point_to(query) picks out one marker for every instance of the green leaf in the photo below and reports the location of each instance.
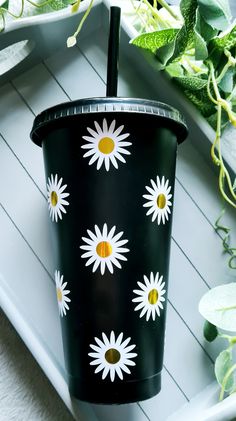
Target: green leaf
(202, 34)
(185, 36)
(175, 70)
(226, 40)
(215, 12)
(154, 40)
(164, 53)
(227, 82)
(201, 100)
(193, 83)
(60, 4)
(199, 42)
(200, 46)
(4, 3)
(210, 331)
(223, 364)
(218, 306)
(206, 31)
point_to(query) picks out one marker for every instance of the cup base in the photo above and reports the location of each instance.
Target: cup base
(115, 393)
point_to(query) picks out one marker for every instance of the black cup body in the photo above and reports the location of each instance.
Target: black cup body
(110, 172)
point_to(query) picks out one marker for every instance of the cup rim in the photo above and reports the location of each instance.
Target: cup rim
(107, 105)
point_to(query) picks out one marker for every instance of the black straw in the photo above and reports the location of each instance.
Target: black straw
(113, 51)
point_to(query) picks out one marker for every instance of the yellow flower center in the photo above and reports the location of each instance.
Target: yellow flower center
(54, 198)
(112, 356)
(153, 296)
(104, 249)
(106, 145)
(161, 201)
(59, 294)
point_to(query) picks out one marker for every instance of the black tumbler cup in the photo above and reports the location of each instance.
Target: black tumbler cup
(110, 171)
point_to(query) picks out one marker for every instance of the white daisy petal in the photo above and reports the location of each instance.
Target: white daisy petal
(112, 373)
(89, 153)
(125, 144)
(119, 256)
(114, 162)
(123, 136)
(99, 368)
(112, 356)
(103, 249)
(112, 126)
(95, 266)
(126, 342)
(105, 145)
(88, 138)
(100, 162)
(98, 128)
(150, 296)
(119, 372)
(116, 263)
(112, 339)
(119, 339)
(109, 266)
(126, 369)
(118, 131)
(129, 362)
(93, 159)
(123, 151)
(120, 157)
(99, 342)
(92, 132)
(94, 347)
(150, 190)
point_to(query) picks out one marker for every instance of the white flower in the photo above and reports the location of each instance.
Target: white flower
(62, 293)
(150, 296)
(56, 197)
(104, 248)
(112, 356)
(106, 145)
(158, 200)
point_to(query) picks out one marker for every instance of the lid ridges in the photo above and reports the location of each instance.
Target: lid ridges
(106, 105)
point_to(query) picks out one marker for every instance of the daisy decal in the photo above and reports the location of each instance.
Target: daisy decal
(150, 296)
(112, 356)
(106, 144)
(158, 200)
(104, 248)
(56, 197)
(62, 294)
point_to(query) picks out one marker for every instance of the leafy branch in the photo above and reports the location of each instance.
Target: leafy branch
(196, 47)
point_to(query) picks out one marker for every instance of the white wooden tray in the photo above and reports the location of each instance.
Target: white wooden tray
(27, 293)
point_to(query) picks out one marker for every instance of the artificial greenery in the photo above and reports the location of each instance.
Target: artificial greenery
(195, 44)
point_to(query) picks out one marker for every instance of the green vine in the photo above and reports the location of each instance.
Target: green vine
(231, 251)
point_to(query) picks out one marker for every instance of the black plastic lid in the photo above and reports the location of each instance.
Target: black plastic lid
(106, 105)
